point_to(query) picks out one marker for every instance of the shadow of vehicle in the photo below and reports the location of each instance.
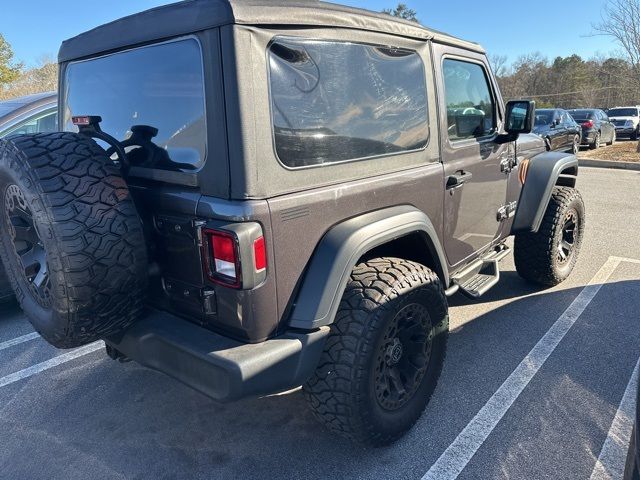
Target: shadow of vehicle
(137, 423)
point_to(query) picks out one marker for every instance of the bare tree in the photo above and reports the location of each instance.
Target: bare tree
(403, 11)
(498, 64)
(621, 21)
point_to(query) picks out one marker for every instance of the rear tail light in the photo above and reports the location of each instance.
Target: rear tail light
(236, 256)
(222, 258)
(588, 124)
(224, 255)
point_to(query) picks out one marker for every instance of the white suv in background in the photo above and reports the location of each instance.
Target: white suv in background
(626, 121)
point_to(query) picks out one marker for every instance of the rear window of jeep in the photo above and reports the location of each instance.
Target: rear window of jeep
(339, 101)
(159, 85)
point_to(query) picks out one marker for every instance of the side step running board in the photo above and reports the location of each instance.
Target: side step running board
(478, 278)
(477, 285)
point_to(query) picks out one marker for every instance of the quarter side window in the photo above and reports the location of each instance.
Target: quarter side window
(470, 105)
(340, 101)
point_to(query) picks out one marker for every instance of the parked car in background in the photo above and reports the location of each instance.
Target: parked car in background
(29, 114)
(558, 129)
(596, 127)
(626, 120)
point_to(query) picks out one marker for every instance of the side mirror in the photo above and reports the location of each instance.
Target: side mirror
(520, 117)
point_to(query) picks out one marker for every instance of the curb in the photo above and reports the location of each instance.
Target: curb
(592, 162)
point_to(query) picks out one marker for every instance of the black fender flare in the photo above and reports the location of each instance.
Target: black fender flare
(544, 171)
(337, 253)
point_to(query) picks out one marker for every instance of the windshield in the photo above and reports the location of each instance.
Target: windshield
(623, 112)
(543, 117)
(161, 86)
(582, 115)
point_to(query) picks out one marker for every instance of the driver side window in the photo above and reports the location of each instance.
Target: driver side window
(470, 105)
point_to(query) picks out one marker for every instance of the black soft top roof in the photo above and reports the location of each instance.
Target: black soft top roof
(191, 16)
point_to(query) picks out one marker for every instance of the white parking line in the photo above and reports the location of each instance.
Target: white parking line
(54, 362)
(611, 462)
(628, 260)
(456, 457)
(18, 340)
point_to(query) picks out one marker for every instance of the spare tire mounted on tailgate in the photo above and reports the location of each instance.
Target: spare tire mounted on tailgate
(71, 240)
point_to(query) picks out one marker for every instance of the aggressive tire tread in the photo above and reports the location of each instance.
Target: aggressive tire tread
(336, 392)
(6, 292)
(534, 253)
(91, 231)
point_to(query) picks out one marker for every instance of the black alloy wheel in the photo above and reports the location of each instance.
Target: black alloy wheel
(566, 246)
(403, 356)
(28, 248)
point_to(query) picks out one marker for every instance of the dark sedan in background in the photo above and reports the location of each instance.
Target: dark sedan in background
(558, 129)
(597, 129)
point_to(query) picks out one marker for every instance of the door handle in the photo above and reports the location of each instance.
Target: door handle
(458, 179)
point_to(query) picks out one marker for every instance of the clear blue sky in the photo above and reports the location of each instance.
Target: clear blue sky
(506, 27)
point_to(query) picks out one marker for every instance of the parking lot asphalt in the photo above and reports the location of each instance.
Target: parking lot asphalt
(530, 389)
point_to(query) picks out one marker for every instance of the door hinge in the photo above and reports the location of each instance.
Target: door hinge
(507, 163)
(507, 211)
(197, 225)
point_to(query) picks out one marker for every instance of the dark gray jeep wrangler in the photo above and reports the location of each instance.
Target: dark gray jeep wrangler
(251, 196)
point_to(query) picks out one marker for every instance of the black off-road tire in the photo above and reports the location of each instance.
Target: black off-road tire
(346, 392)
(6, 292)
(538, 256)
(61, 193)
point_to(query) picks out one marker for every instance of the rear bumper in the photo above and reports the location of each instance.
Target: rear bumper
(624, 131)
(588, 137)
(219, 367)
